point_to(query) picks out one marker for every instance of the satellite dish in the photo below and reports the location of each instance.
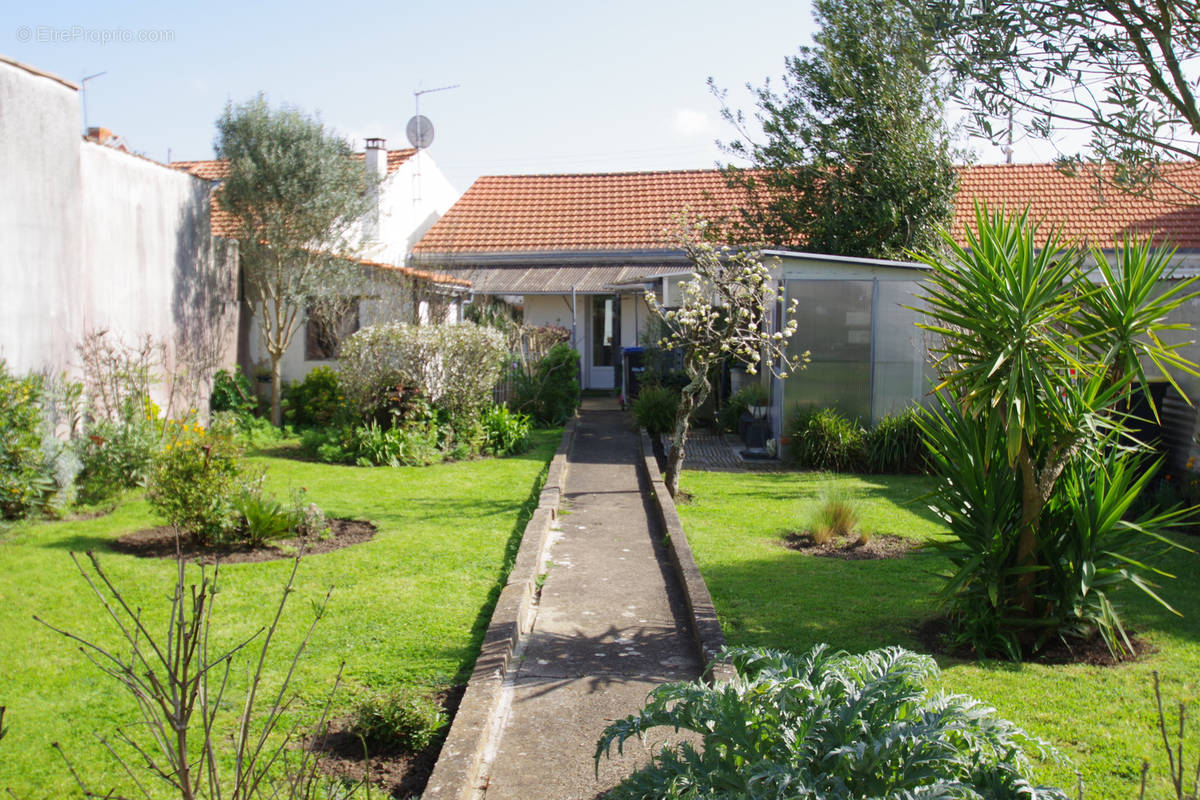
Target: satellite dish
(420, 132)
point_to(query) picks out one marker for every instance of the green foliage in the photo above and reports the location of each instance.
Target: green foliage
(827, 725)
(194, 481)
(232, 392)
(655, 408)
(505, 432)
(856, 157)
(823, 439)
(739, 403)
(455, 367)
(263, 517)
(314, 401)
(117, 454)
(896, 444)
(550, 394)
(401, 717)
(373, 445)
(295, 193)
(1116, 69)
(1041, 362)
(26, 473)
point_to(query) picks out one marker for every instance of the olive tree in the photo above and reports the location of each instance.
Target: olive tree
(1125, 71)
(296, 194)
(725, 313)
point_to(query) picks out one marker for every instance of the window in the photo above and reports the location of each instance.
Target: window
(322, 339)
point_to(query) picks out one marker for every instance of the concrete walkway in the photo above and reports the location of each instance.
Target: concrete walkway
(610, 626)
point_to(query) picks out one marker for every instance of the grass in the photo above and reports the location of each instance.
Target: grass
(1101, 718)
(409, 608)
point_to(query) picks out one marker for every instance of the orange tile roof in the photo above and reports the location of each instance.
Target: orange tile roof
(629, 211)
(223, 223)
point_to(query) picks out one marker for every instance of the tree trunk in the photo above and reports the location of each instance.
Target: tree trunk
(692, 397)
(276, 389)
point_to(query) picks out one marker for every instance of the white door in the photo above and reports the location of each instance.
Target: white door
(604, 336)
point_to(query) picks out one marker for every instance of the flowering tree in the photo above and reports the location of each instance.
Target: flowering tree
(724, 313)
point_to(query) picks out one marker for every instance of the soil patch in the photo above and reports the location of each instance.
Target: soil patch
(933, 635)
(391, 769)
(161, 543)
(880, 545)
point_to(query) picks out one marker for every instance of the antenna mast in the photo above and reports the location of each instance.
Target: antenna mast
(420, 134)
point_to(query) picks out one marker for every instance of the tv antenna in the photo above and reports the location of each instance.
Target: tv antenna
(83, 95)
(420, 135)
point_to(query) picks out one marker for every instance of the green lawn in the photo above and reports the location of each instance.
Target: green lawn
(409, 607)
(1101, 718)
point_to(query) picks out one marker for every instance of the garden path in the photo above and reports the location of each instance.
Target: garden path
(611, 625)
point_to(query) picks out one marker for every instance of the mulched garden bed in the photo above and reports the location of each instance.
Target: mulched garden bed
(398, 773)
(880, 545)
(161, 543)
(1094, 652)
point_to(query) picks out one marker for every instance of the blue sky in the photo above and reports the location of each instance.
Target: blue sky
(544, 86)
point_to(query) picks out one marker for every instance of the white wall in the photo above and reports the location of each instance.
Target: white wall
(41, 231)
(92, 238)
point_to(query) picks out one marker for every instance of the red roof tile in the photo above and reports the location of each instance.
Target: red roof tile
(629, 211)
(223, 224)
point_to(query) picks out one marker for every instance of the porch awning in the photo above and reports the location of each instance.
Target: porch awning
(557, 279)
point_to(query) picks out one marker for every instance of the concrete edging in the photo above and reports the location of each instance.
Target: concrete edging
(455, 776)
(706, 628)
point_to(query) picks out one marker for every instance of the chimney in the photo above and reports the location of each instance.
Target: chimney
(376, 163)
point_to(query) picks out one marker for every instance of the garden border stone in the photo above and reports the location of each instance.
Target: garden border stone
(706, 628)
(455, 776)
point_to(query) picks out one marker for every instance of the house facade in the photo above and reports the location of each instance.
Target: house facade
(411, 194)
(581, 251)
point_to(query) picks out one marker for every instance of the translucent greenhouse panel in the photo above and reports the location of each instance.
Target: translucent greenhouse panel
(834, 325)
(902, 370)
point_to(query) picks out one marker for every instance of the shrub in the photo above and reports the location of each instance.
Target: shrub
(372, 444)
(118, 454)
(454, 366)
(505, 432)
(654, 409)
(825, 440)
(550, 393)
(754, 394)
(195, 479)
(1092, 544)
(827, 725)
(26, 473)
(263, 518)
(232, 392)
(896, 445)
(399, 717)
(314, 401)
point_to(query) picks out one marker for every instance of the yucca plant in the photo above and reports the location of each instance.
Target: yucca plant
(827, 725)
(1040, 357)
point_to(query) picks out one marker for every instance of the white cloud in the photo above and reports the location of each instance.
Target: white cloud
(692, 124)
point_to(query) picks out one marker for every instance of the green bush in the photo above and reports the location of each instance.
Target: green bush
(505, 432)
(655, 408)
(827, 726)
(232, 392)
(1092, 544)
(825, 440)
(372, 444)
(401, 718)
(754, 394)
(194, 481)
(117, 454)
(315, 401)
(550, 393)
(896, 445)
(264, 518)
(26, 473)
